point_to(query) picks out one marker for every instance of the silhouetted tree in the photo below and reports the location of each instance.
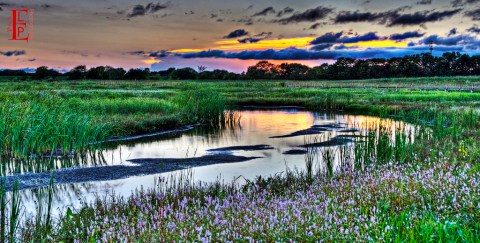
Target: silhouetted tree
(79, 72)
(137, 74)
(184, 73)
(262, 70)
(43, 73)
(293, 71)
(420, 65)
(114, 73)
(96, 73)
(10, 72)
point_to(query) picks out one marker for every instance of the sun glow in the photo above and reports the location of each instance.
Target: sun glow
(151, 61)
(377, 43)
(234, 45)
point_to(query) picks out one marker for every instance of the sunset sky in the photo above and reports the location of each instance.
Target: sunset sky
(231, 34)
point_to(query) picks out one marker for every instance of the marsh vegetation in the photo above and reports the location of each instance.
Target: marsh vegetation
(382, 181)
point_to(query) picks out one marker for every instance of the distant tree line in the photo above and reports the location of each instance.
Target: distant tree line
(422, 65)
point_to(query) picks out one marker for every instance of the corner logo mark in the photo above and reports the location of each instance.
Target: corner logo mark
(21, 25)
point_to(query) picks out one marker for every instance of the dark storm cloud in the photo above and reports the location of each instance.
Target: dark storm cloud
(79, 53)
(301, 54)
(343, 47)
(309, 15)
(245, 20)
(474, 14)
(236, 34)
(2, 4)
(321, 47)
(331, 37)
(424, 2)
(264, 34)
(419, 18)
(137, 10)
(452, 32)
(406, 35)
(314, 26)
(337, 38)
(13, 53)
(349, 17)
(266, 11)
(285, 54)
(394, 17)
(137, 53)
(327, 38)
(285, 11)
(250, 40)
(459, 3)
(474, 29)
(155, 54)
(142, 10)
(354, 39)
(158, 54)
(448, 41)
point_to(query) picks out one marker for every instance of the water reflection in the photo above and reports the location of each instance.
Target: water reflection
(255, 128)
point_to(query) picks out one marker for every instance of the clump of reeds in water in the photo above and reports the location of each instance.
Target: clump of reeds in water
(231, 119)
(203, 106)
(44, 128)
(310, 156)
(10, 208)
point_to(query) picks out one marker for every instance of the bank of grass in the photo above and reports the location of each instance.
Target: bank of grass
(35, 124)
(134, 107)
(41, 127)
(152, 98)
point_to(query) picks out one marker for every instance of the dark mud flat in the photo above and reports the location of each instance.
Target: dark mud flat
(348, 136)
(310, 131)
(332, 125)
(295, 152)
(147, 166)
(156, 134)
(271, 107)
(349, 130)
(336, 141)
(243, 148)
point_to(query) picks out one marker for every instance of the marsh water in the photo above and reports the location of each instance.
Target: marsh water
(275, 131)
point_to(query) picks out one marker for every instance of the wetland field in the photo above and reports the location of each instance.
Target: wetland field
(161, 161)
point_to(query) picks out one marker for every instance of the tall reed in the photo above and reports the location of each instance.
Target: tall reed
(46, 128)
(204, 106)
(310, 155)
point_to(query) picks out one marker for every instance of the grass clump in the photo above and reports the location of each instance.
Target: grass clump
(40, 128)
(204, 106)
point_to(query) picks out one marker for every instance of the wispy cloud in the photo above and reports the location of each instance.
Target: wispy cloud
(13, 53)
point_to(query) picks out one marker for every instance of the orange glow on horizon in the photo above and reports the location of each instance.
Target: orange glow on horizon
(377, 43)
(151, 61)
(278, 44)
(234, 45)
